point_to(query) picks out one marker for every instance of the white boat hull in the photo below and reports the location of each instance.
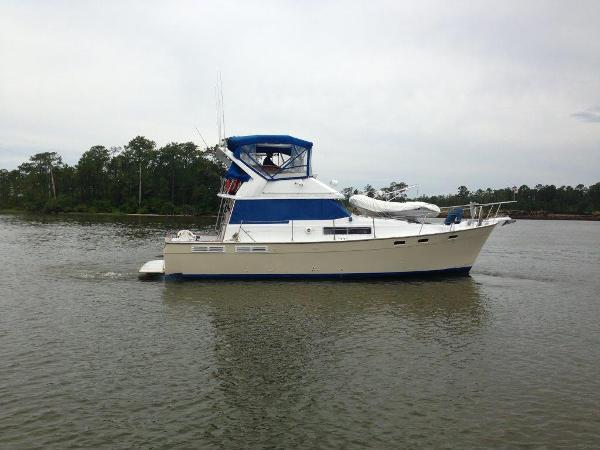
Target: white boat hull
(453, 251)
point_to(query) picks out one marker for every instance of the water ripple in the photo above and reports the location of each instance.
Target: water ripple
(91, 357)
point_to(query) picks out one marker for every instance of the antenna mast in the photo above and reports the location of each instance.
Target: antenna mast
(222, 105)
(217, 106)
(220, 108)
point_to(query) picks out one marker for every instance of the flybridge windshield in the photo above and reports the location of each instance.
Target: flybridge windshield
(276, 160)
(273, 157)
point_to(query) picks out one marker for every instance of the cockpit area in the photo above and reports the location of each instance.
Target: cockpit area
(273, 157)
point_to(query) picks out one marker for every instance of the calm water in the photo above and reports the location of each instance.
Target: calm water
(92, 357)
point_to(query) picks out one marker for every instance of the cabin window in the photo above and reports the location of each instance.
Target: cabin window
(346, 230)
(453, 236)
(399, 243)
(423, 241)
(207, 249)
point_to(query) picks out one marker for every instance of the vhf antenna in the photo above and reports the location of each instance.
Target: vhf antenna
(220, 108)
(222, 104)
(218, 116)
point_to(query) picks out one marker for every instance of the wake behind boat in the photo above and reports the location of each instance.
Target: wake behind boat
(277, 220)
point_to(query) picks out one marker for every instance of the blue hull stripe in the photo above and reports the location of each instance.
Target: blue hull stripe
(320, 276)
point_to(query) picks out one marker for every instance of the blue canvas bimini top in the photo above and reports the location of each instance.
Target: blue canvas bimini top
(235, 143)
(293, 155)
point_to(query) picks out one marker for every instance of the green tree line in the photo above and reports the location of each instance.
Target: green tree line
(540, 198)
(178, 178)
(181, 178)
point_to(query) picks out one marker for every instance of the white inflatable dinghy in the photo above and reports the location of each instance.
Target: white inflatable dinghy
(404, 210)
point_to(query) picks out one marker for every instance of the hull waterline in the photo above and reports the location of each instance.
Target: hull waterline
(458, 271)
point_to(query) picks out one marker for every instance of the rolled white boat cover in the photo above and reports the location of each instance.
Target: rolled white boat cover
(394, 209)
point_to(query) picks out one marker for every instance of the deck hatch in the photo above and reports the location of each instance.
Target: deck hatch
(207, 249)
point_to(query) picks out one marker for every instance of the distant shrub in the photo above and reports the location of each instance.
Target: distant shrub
(102, 206)
(129, 207)
(51, 206)
(167, 208)
(187, 210)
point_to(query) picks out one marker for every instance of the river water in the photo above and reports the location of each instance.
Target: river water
(92, 357)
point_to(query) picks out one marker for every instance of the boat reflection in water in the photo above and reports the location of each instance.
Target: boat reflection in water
(321, 354)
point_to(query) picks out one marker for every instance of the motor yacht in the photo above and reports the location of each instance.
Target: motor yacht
(278, 220)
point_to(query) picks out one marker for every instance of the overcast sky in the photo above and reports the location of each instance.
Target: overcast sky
(436, 93)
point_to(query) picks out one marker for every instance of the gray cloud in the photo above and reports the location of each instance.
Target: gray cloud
(590, 115)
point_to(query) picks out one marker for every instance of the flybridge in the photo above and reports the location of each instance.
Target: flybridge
(270, 181)
(273, 157)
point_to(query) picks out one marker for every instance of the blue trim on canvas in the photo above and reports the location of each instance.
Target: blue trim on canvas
(235, 142)
(237, 173)
(318, 276)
